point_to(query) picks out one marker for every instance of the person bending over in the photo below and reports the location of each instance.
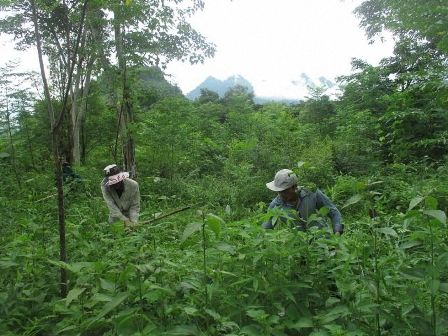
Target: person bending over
(122, 196)
(300, 203)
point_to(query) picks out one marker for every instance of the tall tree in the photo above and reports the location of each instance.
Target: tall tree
(55, 124)
(150, 33)
(426, 21)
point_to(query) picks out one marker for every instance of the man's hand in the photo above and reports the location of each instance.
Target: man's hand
(128, 224)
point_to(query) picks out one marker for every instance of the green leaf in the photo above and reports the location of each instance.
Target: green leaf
(303, 322)
(415, 201)
(387, 231)
(190, 310)
(4, 264)
(414, 273)
(431, 202)
(443, 286)
(352, 200)
(183, 330)
(190, 229)
(213, 314)
(107, 285)
(73, 295)
(410, 244)
(437, 214)
(323, 211)
(257, 314)
(108, 307)
(214, 223)
(224, 247)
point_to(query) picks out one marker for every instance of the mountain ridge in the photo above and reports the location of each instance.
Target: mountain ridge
(301, 85)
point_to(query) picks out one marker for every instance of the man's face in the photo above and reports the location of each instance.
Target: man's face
(288, 195)
(117, 186)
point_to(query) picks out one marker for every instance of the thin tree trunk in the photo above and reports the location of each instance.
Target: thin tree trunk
(13, 152)
(57, 163)
(78, 118)
(29, 144)
(55, 133)
(126, 116)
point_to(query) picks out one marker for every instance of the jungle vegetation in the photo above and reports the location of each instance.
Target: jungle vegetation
(378, 150)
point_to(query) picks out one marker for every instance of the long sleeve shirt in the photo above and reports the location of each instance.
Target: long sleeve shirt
(126, 207)
(308, 203)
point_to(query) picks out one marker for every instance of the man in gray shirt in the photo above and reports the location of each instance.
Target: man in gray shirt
(300, 203)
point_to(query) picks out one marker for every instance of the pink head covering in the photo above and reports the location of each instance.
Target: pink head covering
(114, 175)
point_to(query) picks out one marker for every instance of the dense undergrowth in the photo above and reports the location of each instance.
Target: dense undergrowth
(211, 270)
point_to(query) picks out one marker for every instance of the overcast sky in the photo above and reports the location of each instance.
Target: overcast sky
(270, 43)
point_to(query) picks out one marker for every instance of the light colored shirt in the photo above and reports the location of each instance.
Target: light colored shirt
(126, 207)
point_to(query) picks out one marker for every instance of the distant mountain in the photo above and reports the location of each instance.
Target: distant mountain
(220, 86)
(306, 81)
(294, 91)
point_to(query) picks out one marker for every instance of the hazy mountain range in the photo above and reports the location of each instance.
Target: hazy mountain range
(300, 86)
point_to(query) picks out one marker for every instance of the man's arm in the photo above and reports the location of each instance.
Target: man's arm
(113, 209)
(134, 210)
(333, 213)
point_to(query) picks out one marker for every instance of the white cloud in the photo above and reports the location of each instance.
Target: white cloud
(272, 43)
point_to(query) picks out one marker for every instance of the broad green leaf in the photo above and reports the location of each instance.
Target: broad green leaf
(431, 202)
(352, 200)
(107, 285)
(257, 314)
(387, 231)
(213, 314)
(63, 265)
(437, 214)
(334, 313)
(214, 223)
(443, 286)
(410, 244)
(415, 201)
(414, 273)
(324, 211)
(250, 330)
(183, 330)
(225, 248)
(190, 229)
(64, 330)
(331, 301)
(73, 295)
(288, 294)
(4, 264)
(108, 307)
(77, 267)
(190, 310)
(303, 322)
